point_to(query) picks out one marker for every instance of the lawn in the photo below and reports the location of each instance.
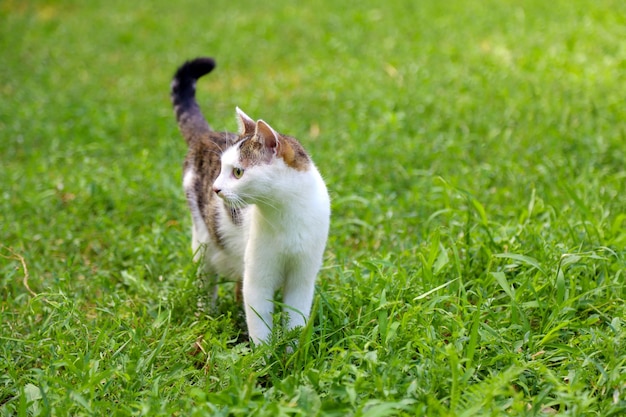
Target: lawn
(475, 153)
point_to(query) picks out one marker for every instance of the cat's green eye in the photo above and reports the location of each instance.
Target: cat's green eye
(237, 172)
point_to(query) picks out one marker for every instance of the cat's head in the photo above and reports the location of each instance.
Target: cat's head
(259, 163)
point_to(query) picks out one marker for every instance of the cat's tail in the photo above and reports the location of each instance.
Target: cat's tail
(190, 120)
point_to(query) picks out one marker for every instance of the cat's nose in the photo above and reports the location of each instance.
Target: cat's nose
(217, 190)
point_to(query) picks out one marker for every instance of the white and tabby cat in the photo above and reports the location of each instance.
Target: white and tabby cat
(259, 206)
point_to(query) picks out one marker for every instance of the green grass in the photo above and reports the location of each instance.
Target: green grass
(475, 154)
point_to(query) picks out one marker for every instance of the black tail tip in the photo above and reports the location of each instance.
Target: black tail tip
(195, 68)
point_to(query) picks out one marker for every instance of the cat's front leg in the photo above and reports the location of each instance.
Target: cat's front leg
(298, 292)
(258, 298)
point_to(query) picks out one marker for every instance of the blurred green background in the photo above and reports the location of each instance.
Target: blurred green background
(477, 146)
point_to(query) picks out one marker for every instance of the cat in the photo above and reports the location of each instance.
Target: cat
(260, 208)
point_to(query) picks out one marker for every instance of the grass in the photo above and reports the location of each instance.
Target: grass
(475, 157)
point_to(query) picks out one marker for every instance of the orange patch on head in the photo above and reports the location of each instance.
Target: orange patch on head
(293, 154)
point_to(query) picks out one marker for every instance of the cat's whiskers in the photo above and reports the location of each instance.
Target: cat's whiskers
(239, 203)
(264, 202)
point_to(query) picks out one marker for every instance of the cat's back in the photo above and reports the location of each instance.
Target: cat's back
(203, 155)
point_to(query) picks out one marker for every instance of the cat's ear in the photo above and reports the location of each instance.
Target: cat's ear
(267, 135)
(247, 126)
